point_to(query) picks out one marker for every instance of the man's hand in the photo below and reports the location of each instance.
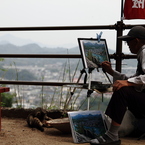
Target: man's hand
(121, 83)
(107, 67)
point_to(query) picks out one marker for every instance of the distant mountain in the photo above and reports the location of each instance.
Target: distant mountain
(21, 42)
(12, 44)
(8, 38)
(34, 48)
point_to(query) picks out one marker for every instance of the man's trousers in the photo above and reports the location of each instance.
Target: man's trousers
(123, 99)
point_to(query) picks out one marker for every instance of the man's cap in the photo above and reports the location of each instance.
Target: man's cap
(135, 32)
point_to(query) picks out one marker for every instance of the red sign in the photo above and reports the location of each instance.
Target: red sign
(134, 9)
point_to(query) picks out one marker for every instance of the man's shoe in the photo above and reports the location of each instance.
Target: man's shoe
(104, 140)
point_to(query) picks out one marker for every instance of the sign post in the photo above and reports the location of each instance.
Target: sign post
(2, 90)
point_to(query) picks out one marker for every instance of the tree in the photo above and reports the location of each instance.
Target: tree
(7, 99)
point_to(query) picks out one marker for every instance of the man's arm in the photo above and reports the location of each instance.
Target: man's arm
(122, 83)
(115, 74)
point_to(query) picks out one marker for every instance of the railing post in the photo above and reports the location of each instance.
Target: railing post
(2, 90)
(119, 29)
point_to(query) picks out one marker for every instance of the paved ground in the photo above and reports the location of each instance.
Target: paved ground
(16, 132)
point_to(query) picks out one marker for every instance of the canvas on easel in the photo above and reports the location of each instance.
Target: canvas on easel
(93, 52)
(86, 125)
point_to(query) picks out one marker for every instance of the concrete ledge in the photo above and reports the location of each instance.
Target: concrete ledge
(23, 113)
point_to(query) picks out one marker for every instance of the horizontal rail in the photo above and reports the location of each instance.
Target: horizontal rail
(91, 27)
(38, 83)
(41, 55)
(124, 56)
(113, 27)
(56, 28)
(129, 56)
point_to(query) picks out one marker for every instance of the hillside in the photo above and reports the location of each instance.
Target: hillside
(34, 48)
(42, 65)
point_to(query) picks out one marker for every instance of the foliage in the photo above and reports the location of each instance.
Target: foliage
(22, 75)
(7, 99)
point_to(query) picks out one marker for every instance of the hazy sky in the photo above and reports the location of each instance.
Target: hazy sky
(20, 13)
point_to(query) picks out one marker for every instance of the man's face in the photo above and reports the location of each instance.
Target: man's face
(133, 45)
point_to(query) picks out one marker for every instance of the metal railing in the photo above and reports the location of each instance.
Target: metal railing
(118, 56)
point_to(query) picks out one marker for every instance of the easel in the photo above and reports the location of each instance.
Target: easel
(90, 91)
(93, 65)
(89, 88)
